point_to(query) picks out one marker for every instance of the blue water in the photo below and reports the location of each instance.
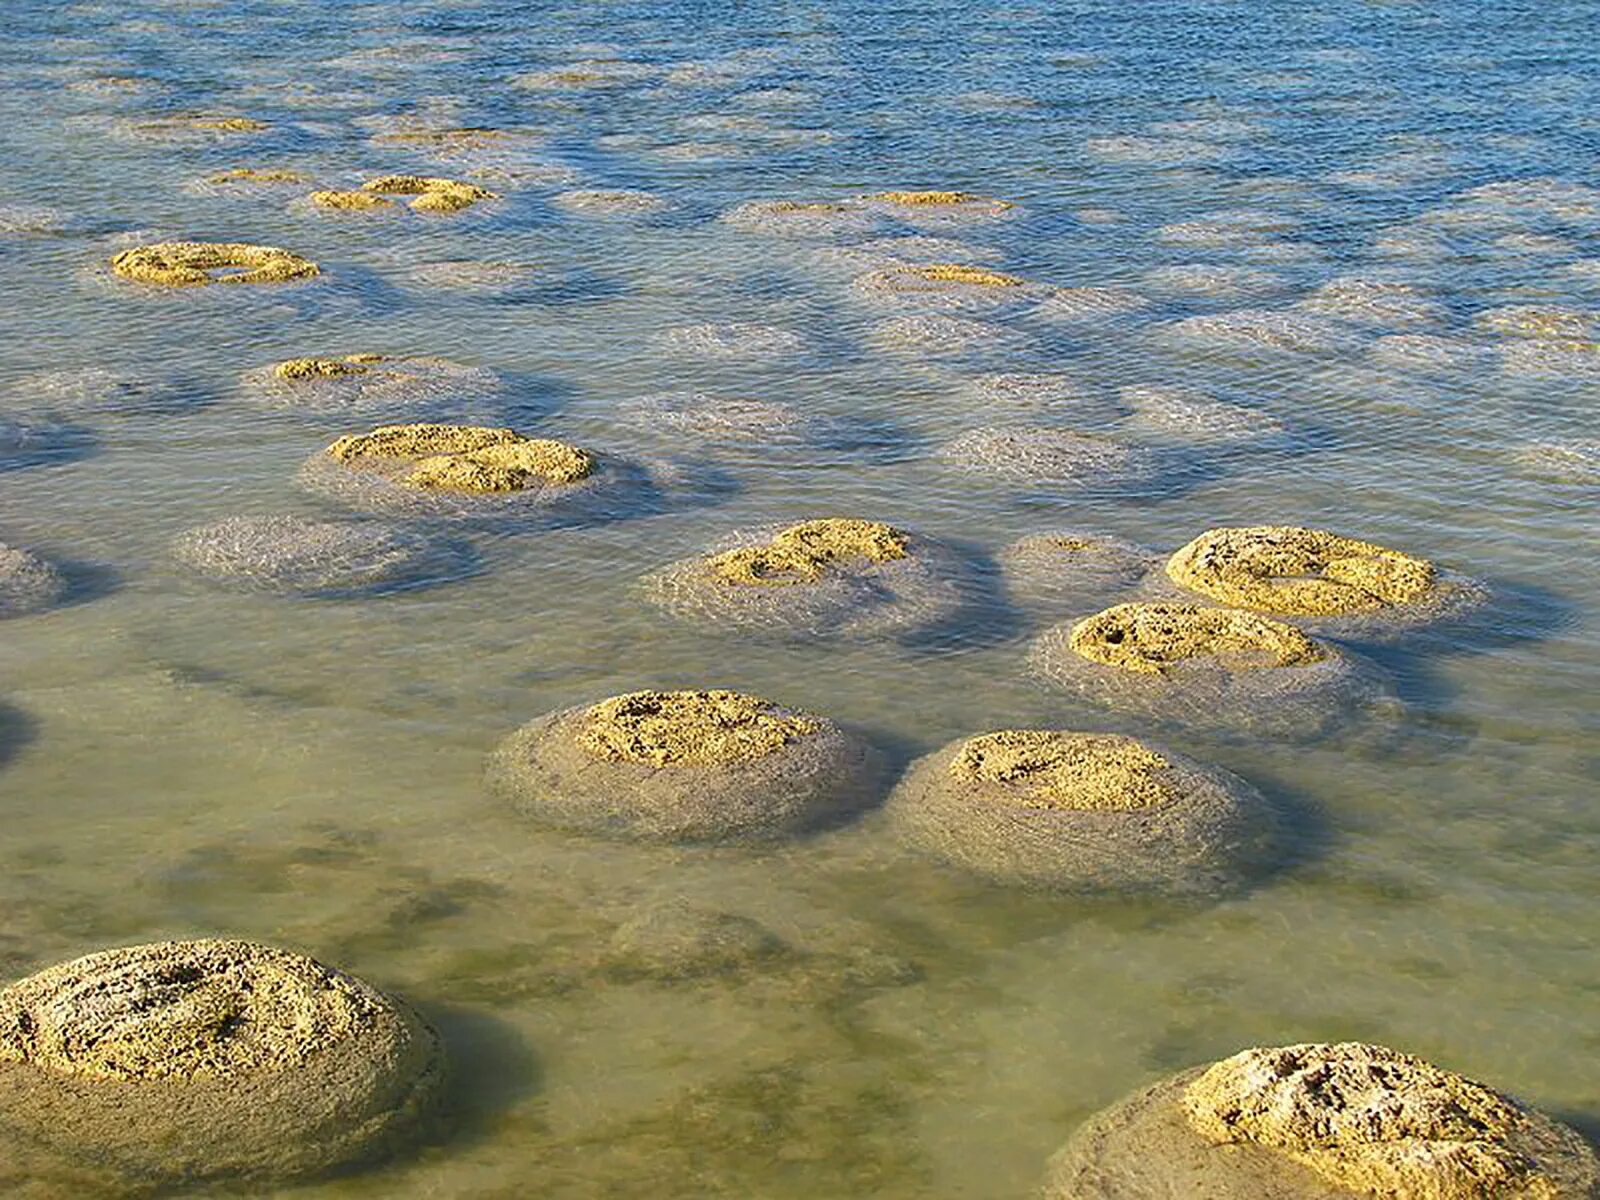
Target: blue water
(177, 759)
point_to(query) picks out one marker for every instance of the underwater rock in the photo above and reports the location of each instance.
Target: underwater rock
(1217, 282)
(1071, 305)
(800, 218)
(1564, 361)
(1576, 460)
(29, 219)
(1351, 587)
(1242, 227)
(768, 426)
(32, 443)
(28, 584)
(1039, 393)
(1071, 571)
(294, 556)
(476, 275)
(1249, 329)
(1185, 415)
(684, 766)
(1377, 303)
(1549, 323)
(677, 940)
(734, 339)
(1037, 456)
(368, 382)
(1322, 1121)
(464, 471)
(1428, 352)
(1130, 148)
(613, 202)
(94, 391)
(1081, 812)
(1216, 668)
(834, 577)
(936, 334)
(208, 1062)
(190, 264)
(587, 75)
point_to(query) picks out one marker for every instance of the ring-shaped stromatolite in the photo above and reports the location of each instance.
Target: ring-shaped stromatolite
(1323, 1121)
(464, 471)
(835, 577)
(1293, 571)
(1068, 811)
(186, 1063)
(432, 193)
(684, 766)
(1207, 667)
(294, 556)
(28, 583)
(194, 264)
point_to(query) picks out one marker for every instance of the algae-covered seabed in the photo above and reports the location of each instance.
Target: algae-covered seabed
(182, 760)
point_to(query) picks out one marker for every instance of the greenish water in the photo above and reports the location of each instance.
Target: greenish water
(179, 760)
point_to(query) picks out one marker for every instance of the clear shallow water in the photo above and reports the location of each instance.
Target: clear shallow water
(181, 760)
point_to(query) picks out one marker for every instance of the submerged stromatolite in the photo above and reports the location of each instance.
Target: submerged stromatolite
(1072, 571)
(1069, 811)
(684, 766)
(363, 382)
(192, 1063)
(1216, 668)
(833, 577)
(292, 555)
(1323, 1121)
(28, 583)
(1039, 457)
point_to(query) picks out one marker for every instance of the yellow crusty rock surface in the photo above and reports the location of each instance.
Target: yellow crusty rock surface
(959, 273)
(1374, 1121)
(1300, 572)
(801, 553)
(1150, 639)
(433, 194)
(466, 458)
(689, 728)
(256, 175)
(191, 264)
(294, 369)
(927, 199)
(348, 200)
(1059, 770)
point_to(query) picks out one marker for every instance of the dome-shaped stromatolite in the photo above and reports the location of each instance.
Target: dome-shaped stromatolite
(463, 471)
(292, 555)
(1081, 812)
(686, 766)
(1071, 571)
(832, 577)
(1208, 667)
(1348, 585)
(181, 1063)
(943, 285)
(28, 584)
(190, 264)
(1323, 1122)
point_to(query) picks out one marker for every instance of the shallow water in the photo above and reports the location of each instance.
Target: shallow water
(178, 759)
